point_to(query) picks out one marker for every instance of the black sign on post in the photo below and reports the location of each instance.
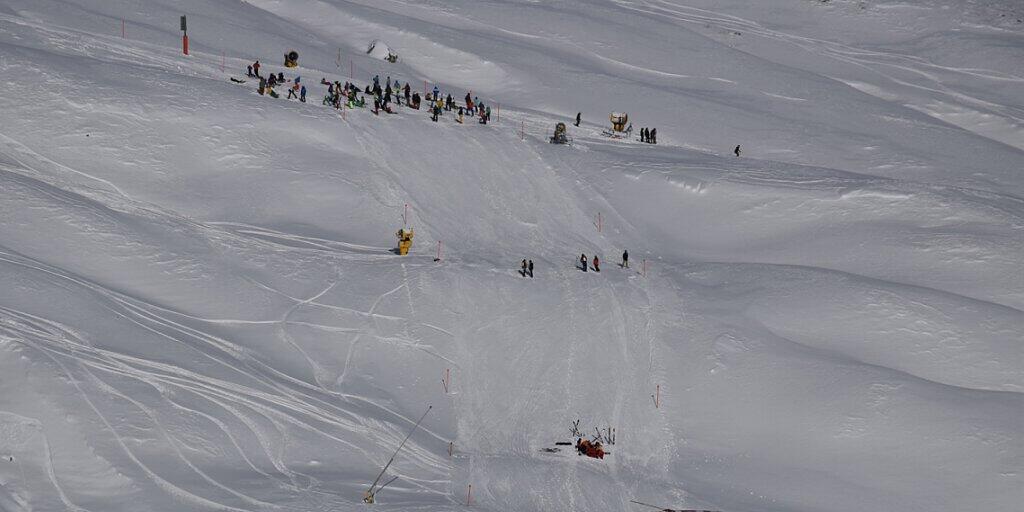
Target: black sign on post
(183, 29)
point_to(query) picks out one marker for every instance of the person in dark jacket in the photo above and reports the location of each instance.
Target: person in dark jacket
(643, 134)
(407, 93)
(578, 114)
(625, 259)
(529, 267)
(302, 94)
(737, 150)
(583, 262)
(522, 272)
(597, 264)
(652, 136)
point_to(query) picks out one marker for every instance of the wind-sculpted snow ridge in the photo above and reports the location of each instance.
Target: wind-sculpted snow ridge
(200, 307)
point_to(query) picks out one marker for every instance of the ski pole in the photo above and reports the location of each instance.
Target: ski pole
(414, 427)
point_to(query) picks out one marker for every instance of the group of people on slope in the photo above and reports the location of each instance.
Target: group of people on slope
(346, 94)
(296, 90)
(526, 268)
(596, 262)
(649, 136)
(473, 107)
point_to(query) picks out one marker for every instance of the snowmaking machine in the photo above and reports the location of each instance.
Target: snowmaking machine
(404, 240)
(619, 129)
(291, 59)
(560, 136)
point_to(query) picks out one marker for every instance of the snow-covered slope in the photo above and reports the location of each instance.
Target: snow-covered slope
(200, 308)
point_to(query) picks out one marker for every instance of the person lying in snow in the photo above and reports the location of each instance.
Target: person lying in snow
(590, 448)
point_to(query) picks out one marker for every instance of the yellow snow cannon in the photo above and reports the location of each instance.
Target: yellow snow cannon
(291, 59)
(404, 240)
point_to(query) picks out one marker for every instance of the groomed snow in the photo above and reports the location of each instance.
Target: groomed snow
(200, 308)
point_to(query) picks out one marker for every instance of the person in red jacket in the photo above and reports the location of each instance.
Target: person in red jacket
(597, 266)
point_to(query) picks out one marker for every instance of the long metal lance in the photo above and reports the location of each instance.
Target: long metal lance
(414, 427)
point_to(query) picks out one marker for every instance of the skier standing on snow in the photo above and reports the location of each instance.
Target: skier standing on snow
(488, 113)
(469, 104)
(248, 72)
(407, 92)
(263, 85)
(437, 93)
(625, 259)
(578, 114)
(583, 261)
(530, 268)
(256, 69)
(523, 271)
(737, 150)
(597, 266)
(643, 134)
(653, 136)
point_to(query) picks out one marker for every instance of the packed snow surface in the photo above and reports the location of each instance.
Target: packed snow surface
(200, 308)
